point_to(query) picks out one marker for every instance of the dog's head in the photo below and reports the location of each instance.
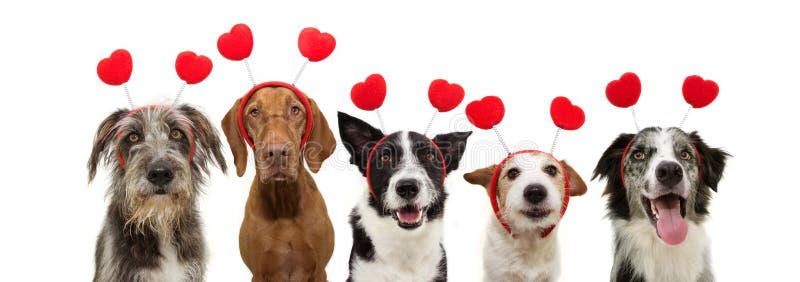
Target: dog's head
(275, 120)
(160, 156)
(663, 175)
(530, 190)
(406, 170)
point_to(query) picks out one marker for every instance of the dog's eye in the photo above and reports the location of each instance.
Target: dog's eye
(430, 157)
(255, 112)
(686, 156)
(133, 137)
(513, 173)
(295, 110)
(638, 155)
(386, 158)
(176, 134)
(551, 170)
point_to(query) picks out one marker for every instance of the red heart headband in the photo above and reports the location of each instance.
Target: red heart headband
(237, 45)
(489, 111)
(116, 70)
(625, 92)
(370, 94)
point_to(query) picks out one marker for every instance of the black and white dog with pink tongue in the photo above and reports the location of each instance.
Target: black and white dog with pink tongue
(659, 184)
(397, 224)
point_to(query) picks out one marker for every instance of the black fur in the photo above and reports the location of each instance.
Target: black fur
(608, 167)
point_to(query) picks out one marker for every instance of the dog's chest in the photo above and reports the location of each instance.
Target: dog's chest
(169, 267)
(522, 259)
(657, 261)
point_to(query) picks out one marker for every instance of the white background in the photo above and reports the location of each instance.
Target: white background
(51, 103)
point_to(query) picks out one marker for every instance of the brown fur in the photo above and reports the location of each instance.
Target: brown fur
(286, 234)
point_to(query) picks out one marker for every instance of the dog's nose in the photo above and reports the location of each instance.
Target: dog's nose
(160, 175)
(669, 173)
(276, 153)
(535, 193)
(407, 189)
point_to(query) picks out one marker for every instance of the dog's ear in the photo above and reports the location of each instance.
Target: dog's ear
(452, 146)
(103, 139)
(321, 143)
(712, 161)
(576, 185)
(608, 167)
(207, 144)
(358, 138)
(230, 126)
(482, 176)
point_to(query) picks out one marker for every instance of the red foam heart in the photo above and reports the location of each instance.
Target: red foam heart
(369, 95)
(192, 68)
(566, 115)
(625, 91)
(237, 44)
(116, 69)
(445, 96)
(315, 45)
(698, 92)
(486, 113)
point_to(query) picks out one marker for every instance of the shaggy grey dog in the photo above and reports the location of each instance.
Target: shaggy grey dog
(159, 158)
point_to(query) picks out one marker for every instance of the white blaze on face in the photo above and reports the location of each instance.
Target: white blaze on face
(409, 168)
(531, 167)
(665, 152)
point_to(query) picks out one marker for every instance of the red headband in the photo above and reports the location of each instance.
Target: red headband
(493, 190)
(150, 107)
(372, 153)
(300, 95)
(625, 153)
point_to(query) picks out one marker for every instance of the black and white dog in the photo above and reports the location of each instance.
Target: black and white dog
(159, 157)
(659, 184)
(397, 226)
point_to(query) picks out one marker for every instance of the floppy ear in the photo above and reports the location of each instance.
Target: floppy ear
(321, 143)
(482, 176)
(207, 144)
(608, 167)
(576, 185)
(358, 138)
(103, 139)
(230, 126)
(452, 146)
(712, 161)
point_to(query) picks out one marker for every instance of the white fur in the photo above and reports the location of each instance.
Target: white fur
(400, 254)
(409, 168)
(526, 258)
(657, 261)
(530, 167)
(665, 152)
(169, 268)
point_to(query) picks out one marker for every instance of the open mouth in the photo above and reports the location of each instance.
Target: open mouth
(409, 217)
(667, 213)
(536, 213)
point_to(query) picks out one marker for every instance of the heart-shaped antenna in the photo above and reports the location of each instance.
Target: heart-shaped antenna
(116, 70)
(565, 116)
(192, 69)
(237, 44)
(486, 113)
(315, 46)
(624, 93)
(370, 94)
(698, 93)
(444, 96)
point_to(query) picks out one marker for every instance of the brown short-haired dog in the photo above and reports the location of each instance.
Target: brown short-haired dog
(286, 234)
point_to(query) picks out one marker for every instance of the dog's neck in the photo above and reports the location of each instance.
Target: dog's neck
(528, 241)
(279, 199)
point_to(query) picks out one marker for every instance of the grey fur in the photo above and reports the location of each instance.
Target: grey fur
(146, 236)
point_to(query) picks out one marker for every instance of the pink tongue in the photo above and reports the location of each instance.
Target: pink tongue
(408, 215)
(671, 226)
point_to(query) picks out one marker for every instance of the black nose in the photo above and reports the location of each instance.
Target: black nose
(407, 189)
(535, 193)
(160, 175)
(669, 173)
